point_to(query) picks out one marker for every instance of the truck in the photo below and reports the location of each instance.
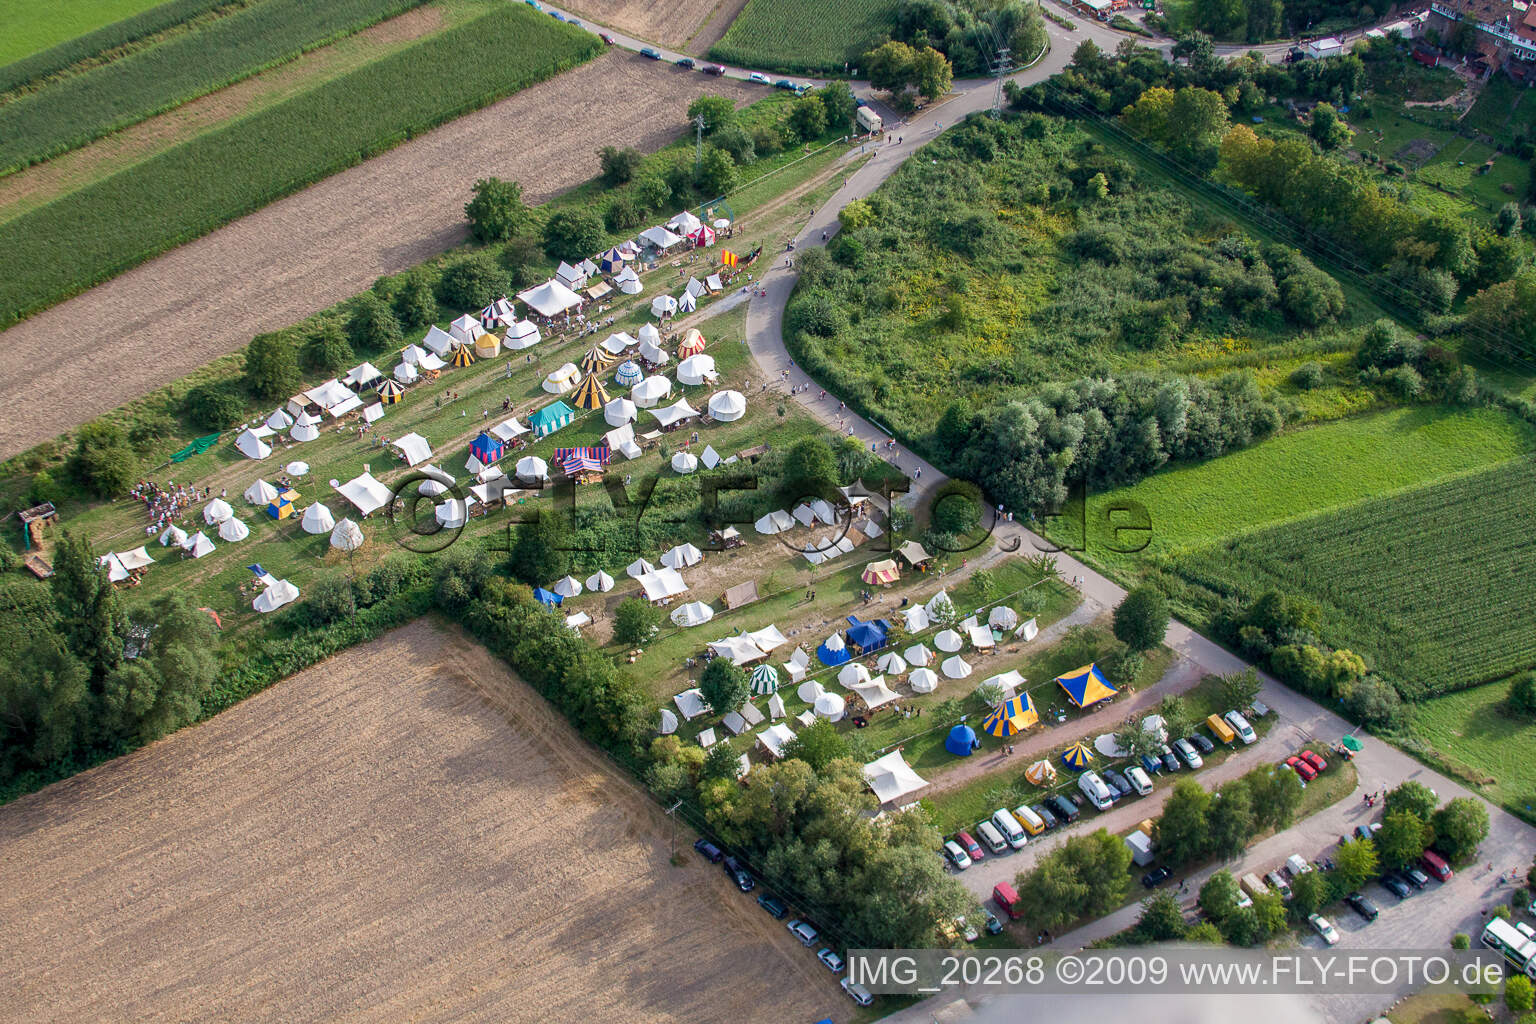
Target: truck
(869, 120)
(1517, 947)
(1252, 885)
(1007, 900)
(1140, 845)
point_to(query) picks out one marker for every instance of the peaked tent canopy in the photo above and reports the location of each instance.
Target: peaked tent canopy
(883, 571)
(390, 392)
(696, 370)
(532, 469)
(1086, 685)
(628, 374)
(597, 358)
(1011, 717)
(955, 667)
(727, 406)
(650, 391)
(318, 519)
(522, 334)
(347, 536)
(923, 680)
(692, 343)
(467, 328)
(251, 446)
(1077, 756)
(463, 356)
(551, 418)
(694, 613)
(892, 779)
(550, 299)
(276, 594)
(961, 741)
(684, 463)
(413, 447)
(486, 448)
(765, 680)
(233, 529)
(600, 582)
(567, 586)
(591, 395)
(366, 494)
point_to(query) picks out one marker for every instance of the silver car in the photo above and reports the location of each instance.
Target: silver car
(1187, 753)
(803, 931)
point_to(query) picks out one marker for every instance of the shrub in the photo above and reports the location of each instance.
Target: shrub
(1461, 940)
(619, 165)
(572, 235)
(373, 326)
(327, 348)
(214, 406)
(330, 598)
(415, 305)
(473, 282)
(496, 212)
(622, 214)
(1307, 376)
(103, 461)
(1522, 695)
(635, 620)
(272, 367)
(1403, 382)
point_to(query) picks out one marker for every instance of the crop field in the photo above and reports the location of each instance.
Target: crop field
(1431, 585)
(1321, 467)
(31, 26)
(668, 22)
(1478, 737)
(82, 107)
(804, 36)
(426, 839)
(187, 191)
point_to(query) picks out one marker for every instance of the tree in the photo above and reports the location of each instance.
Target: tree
(539, 553)
(1403, 836)
(163, 689)
(890, 66)
(652, 191)
(91, 619)
(856, 214)
(1519, 995)
(1522, 695)
(1176, 716)
(1309, 893)
(717, 111)
(415, 305)
(1413, 797)
(374, 327)
(1357, 863)
(103, 460)
(326, 349)
(717, 171)
(1238, 689)
(461, 574)
(1089, 59)
(474, 281)
(956, 513)
(818, 744)
(1460, 827)
(330, 599)
(1268, 913)
(1162, 918)
(809, 468)
(723, 686)
(272, 367)
(635, 620)
(619, 165)
(840, 104)
(932, 74)
(215, 405)
(572, 235)
(1230, 820)
(1328, 129)
(808, 117)
(736, 141)
(496, 212)
(45, 703)
(1219, 895)
(720, 762)
(1182, 830)
(1277, 795)
(1142, 618)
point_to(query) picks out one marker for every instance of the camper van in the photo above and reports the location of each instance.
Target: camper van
(1240, 726)
(869, 120)
(1009, 826)
(1095, 790)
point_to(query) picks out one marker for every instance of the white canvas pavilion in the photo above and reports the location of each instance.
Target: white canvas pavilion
(440, 342)
(616, 344)
(467, 329)
(414, 447)
(652, 352)
(776, 521)
(276, 594)
(852, 673)
(796, 665)
(690, 703)
(918, 655)
(1009, 682)
(571, 277)
(740, 649)
(600, 582)
(532, 469)
(280, 420)
(366, 494)
(522, 334)
(562, 380)
(955, 667)
(709, 458)
(684, 224)
(251, 446)
(567, 586)
(775, 737)
(659, 238)
(682, 556)
(508, 429)
(675, 413)
(650, 391)
(233, 530)
(318, 519)
(420, 358)
(696, 370)
(922, 680)
(875, 693)
(684, 463)
(622, 441)
(694, 613)
(620, 411)
(216, 511)
(550, 299)
(892, 779)
(662, 584)
(981, 637)
(628, 282)
(639, 567)
(198, 545)
(948, 641)
(726, 406)
(663, 305)
(306, 428)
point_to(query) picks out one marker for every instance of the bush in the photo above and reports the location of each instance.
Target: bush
(1522, 695)
(572, 235)
(272, 367)
(329, 599)
(327, 349)
(373, 327)
(415, 305)
(635, 620)
(723, 686)
(622, 214)
(1403, 382)
(619, 165)
(473, 282)
(1461, 940)
(1307, 376)
(214, 406)
(103, 461)
(496, 212)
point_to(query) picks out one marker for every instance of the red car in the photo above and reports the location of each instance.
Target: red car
(971, 847)
(1317, 763)
(1300, 767)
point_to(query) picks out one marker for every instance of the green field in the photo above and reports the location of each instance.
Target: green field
(31, 25)
(79, 108)
(101, 230)
(1431, 585)
(1304, 471)
(1475, 735)
(804, 36)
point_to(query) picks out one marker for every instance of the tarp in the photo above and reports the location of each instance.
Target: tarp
(694, 613)
(365, 493)
(961, 741)
(981, 636)
(138, 558)
(277, 594)
(1086, 685)
(662, 583)
(767, 638)
(710, 458)
(413, 447)
(690, 703)
(668, 724)
(892, 779)
(548, 597)
(550, 298)
(875, 693)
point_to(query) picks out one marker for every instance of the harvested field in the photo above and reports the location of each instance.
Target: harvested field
(405, 832)
(668, 22)
(163, 319)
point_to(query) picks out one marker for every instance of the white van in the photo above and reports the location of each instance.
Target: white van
(1095, 789)
(1240, 726)
(991, 837)
(1137, 777)
(1008, 825)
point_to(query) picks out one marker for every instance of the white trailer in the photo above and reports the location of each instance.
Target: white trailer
(869, 120)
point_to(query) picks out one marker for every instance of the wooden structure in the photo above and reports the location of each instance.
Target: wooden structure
(34, 520)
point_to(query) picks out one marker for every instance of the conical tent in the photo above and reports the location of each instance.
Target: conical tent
(1003, 617)
(303, 431)
(956, 667)
(596, 360)
(318, 519)
(567, 586)
(668, 723)
(1077, 756)
(1086, 685)
(216, 511)
(692, 343)
(390, 391)
(765, 680)
(948, 641)
(830, 706)
(686, 303)
(834, 651)
(891, 663)
(918, 655)
(591, 394)
(532, 469)
(922, 680)
(727, 406)
(694, 613)
(852, 674)
(233, 529)
(619, 412)
(1041, 773)
(961, 741)
(347, 536)
(684, 463)
(173, 535)
(639, 567)
(463, 356)
(1010, 718)
(628, 374)
(600, 582)
(487, 345)
(280, 420)
(260, 493)
(810, 691)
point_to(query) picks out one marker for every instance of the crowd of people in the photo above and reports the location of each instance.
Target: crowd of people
(166, 504)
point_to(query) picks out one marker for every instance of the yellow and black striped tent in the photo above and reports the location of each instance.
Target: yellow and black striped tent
(591, 394)
(462, 356)
(390, 392)
(597, 360)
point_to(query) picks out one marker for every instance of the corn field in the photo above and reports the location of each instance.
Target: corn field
(805, 36)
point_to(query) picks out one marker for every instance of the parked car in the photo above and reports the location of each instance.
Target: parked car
(1317, 763)
(1297, 865)
(1435, 866)
(1169, 759)
(970, 846)
(605, 37)
(1118, 783)
(1415, 877)
(534, 4)
(1139, 780)
(1064, 808)
(1095, 790)
(1156, 877)
(1324, 927)
(1201, 744)
(714, 69)
(557, 15)
(686, 63)
(967, 929)
(858, 993)
(1277, 882)
(1301, 768)
(738, 874)
(785, 84)
(1241, 727)
(759, 77)
(1046, 815)
(803, 931)
(1361, 904)
(956, 855)
(651, 52)
(1188, 754)
(773, 905)
(575, 21)
(708, 850)
(832, 960)
(1396, 886)
(994, 926)
(1364, 832)
(1151, 765)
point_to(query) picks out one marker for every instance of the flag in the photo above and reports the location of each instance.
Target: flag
(727, 258)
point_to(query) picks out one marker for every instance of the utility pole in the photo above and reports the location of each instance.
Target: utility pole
(698, 144)
(1002, 63)
(672, 843)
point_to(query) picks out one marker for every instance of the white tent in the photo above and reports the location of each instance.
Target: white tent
(694, 613)
(550, 298)
(981, 637)
(116, 572)
(173, 535)
(420, 358)
(684, 463)
(138, 558)
(892, 663)
(830, 706)
(619, 412)
(695, 288)
(413, 447)
(939, 605)
(726, 406)
(233, 529)
(739, 649)
(532, 469)
(682, 556)
(279, 420)
(948, 641)
(639, 567)
(521, 335)
(684, 224)
(677, 412)
(1007, 682)
(261, 493)
(651, 352)
(216, 511)
(570, 276)
(622, 441)
(440, 342)
(875, 693)
(567, 586)
(810, 691)
(803, 514)
(296, 468)
(467, 329)
(775, 737)
(1003, 617)
(956, 668)
(776, 706)
(508, 429)
(628, 282)
(662, 584)
(305, 428)
(365, 493)
(600, 582)
(696, 369)
(690, 703)
(668, 723)
(198, 545)
(615, 344)
(852, 673)
(663, 305)
(451, 514)
(918, 655)
(892, 779)
(659, 237)
(686, 303)
(650, 391)
(562, 380)
(347, 536)
(277, 594)
(922, 680)
(251, 446)
(1028, 629)
(777, 521)
(709, 457)
(406, 373)
(318, 519)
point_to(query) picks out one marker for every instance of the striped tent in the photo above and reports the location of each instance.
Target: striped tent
(1011, 717)
(628, 374)
(596, 360)
(391, 391)
(765, 680)
(576, 461)
(592, 394)
(463, 356)
(1086, 685)
(692, 344)
(1077, 756)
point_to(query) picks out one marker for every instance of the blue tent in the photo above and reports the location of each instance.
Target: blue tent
(868, 636)
(1086, 685)
(486, 448)
(831, 657)
(257, 569)
(611, 261)
(547, 597)
(961, 740)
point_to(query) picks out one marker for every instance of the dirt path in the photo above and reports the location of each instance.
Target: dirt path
(406, 832)
(162, 320)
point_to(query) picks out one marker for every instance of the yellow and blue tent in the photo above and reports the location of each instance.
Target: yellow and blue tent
(1011, 717)
(1086, 686)
(1077, 756)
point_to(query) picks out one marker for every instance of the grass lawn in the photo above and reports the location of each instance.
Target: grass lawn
(1322, 467)
(1433, 1008)
(31, 26)
(1477, 736)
